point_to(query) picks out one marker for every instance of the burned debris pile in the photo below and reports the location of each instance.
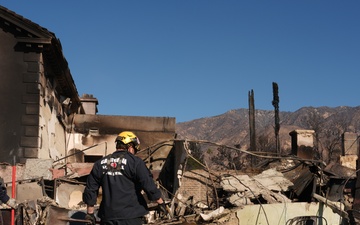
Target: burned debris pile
(283, 190)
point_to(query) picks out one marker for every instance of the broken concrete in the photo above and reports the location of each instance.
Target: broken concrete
(245, 189)
(35, 168)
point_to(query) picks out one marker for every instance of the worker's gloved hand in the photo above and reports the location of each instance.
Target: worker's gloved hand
(12, 203)
(90, 217)
(162, 209)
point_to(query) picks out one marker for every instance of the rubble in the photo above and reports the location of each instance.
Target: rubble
(245, 189)
(283, 190)
(213, 214)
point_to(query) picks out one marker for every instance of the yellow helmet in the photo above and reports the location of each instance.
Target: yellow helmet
(127, 137)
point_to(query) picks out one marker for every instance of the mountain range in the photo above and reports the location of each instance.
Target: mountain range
(232, 127)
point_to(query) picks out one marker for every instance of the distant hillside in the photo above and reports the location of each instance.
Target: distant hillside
(232, 127)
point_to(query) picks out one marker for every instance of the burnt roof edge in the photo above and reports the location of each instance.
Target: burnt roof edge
(50, 46)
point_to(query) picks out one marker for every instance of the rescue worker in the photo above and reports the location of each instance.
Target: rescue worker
(4, 197)
(122, 176)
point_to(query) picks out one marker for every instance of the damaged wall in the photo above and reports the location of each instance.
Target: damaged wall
(281, 213)
(18, 99)
(35, 80)
(197, 186)
(98, 133)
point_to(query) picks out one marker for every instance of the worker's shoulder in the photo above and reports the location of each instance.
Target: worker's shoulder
(134, 157)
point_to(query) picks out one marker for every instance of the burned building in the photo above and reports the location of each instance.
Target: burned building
(43, 116)
(48, 131)
(50, 136)
(38, 93)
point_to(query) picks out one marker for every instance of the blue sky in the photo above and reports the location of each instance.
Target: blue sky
(191, 59)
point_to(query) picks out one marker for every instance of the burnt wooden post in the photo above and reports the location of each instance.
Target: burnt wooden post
(252, 121)
(275, 103)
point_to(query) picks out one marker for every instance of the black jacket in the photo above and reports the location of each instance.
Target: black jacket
(4, 197)
(121, 176)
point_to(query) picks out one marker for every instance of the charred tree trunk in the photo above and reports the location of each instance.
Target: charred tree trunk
(275, 103)
(252, 121)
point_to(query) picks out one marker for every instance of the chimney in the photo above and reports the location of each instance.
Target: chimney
(89, 104)
(350, 143)
(350, 150)
(302, 143)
